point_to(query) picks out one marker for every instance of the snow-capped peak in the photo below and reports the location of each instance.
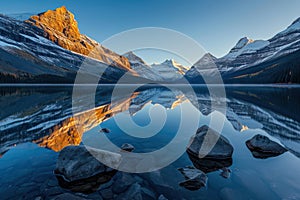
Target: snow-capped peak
(205, 59)
(294, 27)
(245, 45)
(296, 21)
(241, 43)
(172, 64)
(134, 59)
(170, 69)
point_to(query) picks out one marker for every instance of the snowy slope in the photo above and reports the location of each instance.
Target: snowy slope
(205, 65)
(249, 57)
(20, 16)
(26, 56)
(170, 70)
(258, 51)
(250, 46)
(141, 67)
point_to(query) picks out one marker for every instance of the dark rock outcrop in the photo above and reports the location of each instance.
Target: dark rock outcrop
(194, 178)
(127, 147)
(79, 169)
(104, 130)
(221, 150)
(209, 165)
(262, 147)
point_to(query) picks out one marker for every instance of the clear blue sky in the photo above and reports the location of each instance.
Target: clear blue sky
(216, 25)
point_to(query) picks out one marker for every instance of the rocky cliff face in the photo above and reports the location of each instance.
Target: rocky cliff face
(28, 57)
(60, 26)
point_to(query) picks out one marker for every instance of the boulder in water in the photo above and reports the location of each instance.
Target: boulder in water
(262, 147)
(194, 178)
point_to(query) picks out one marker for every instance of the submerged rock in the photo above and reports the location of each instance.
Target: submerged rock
(159, 181)
(104, 130)
(127, 147)
(225, 173)
(262, 147)
(79, 169)
(195, 179)
(209, 165)
(221, 150)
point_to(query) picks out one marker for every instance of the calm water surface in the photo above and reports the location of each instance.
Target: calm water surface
(38, 122)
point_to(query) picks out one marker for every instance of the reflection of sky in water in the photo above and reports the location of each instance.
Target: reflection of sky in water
(272, 178)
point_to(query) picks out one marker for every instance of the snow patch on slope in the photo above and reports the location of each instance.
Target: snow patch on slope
(295, 26)
(170, 70)
(250, 47)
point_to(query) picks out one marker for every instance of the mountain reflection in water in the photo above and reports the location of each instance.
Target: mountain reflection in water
(44, 115)
(32, 118)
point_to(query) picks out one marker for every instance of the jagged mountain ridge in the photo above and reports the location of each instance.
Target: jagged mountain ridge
(257, 61)
(28, 56)
(169, 70)
(141, 67)
(49, 48)
(60, 26)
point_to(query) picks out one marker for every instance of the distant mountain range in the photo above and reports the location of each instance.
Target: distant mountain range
(276, 60)
(169, 70)
(49, 48)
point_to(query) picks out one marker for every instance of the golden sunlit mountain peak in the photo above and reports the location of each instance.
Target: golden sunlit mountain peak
(60, 27)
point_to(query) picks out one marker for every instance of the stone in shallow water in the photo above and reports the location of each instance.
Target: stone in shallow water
(104, 130)
(127, 147)
(159, 183)
(195, 179)
(225, 173)
(78, 169)
(221, 148)
(209, 165)
(262, 147)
